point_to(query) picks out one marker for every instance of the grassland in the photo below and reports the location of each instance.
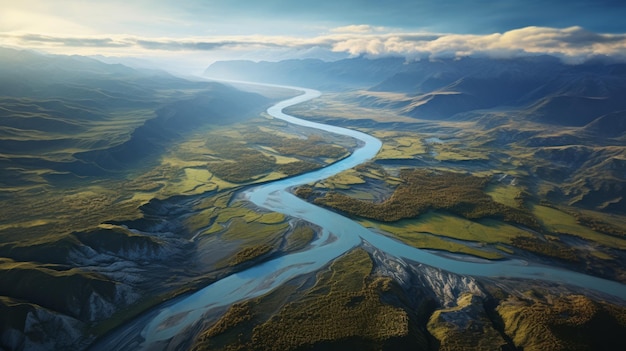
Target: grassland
(348, 306)
(434, 230)
(423, 190)
(459, 186)
(237, 162)
(468, 214)
(334, 107)
(210, 159)
(465, 326)
(399, 145)
(558, 221)
(503, 193)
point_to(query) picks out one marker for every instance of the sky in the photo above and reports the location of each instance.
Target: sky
(188, 35)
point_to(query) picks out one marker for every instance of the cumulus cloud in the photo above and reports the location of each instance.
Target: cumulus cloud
(573, 44)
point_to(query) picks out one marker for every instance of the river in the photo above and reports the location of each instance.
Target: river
(157, 329)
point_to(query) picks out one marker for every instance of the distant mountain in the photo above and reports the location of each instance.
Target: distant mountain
(26, 73)
(543, 88)
(547, 90)
(312, 73)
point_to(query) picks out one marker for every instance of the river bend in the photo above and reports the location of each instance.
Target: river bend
(158, 328)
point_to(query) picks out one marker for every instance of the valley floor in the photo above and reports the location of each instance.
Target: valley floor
(125, 244)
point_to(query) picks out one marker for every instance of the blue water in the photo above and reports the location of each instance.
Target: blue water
(158, 329)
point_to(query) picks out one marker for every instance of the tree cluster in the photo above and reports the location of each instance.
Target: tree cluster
(423, 190)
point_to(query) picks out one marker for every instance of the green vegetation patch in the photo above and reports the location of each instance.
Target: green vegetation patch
(256, 234)
(254, 152)
(558, 221)
(465, 326)
(399, 145)
(250, 253)
(343, 308)
(550, 247)
(346, 106)
(234, 221)
(508, 195)
(485, 231)
(271, 218)
(424, 190)
(239, 229)
(237, 163)
(430, 231)
(313, 146)
(299, 237)
(602, 222)
(432, 242)
(538, 321)
(458, 152)
(297, 167)
(342, 180)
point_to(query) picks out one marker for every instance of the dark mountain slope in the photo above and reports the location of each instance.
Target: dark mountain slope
(543, 88)
(548, 91)
(220, 105)
(611, 125)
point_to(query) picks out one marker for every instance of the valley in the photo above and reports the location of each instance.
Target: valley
(166, 208)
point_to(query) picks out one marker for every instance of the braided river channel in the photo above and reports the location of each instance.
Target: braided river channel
(158, 329)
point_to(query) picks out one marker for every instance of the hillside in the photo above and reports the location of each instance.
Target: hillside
(64, 116)
(74, 133)
(543, 88)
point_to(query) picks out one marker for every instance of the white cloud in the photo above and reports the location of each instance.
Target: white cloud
(573, 44)
(357, 28)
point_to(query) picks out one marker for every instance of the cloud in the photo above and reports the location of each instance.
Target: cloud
(572, 44)
(72, 41)
(357, 28)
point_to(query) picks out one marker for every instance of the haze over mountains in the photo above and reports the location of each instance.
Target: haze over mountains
(78, 116)
(558, 93)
